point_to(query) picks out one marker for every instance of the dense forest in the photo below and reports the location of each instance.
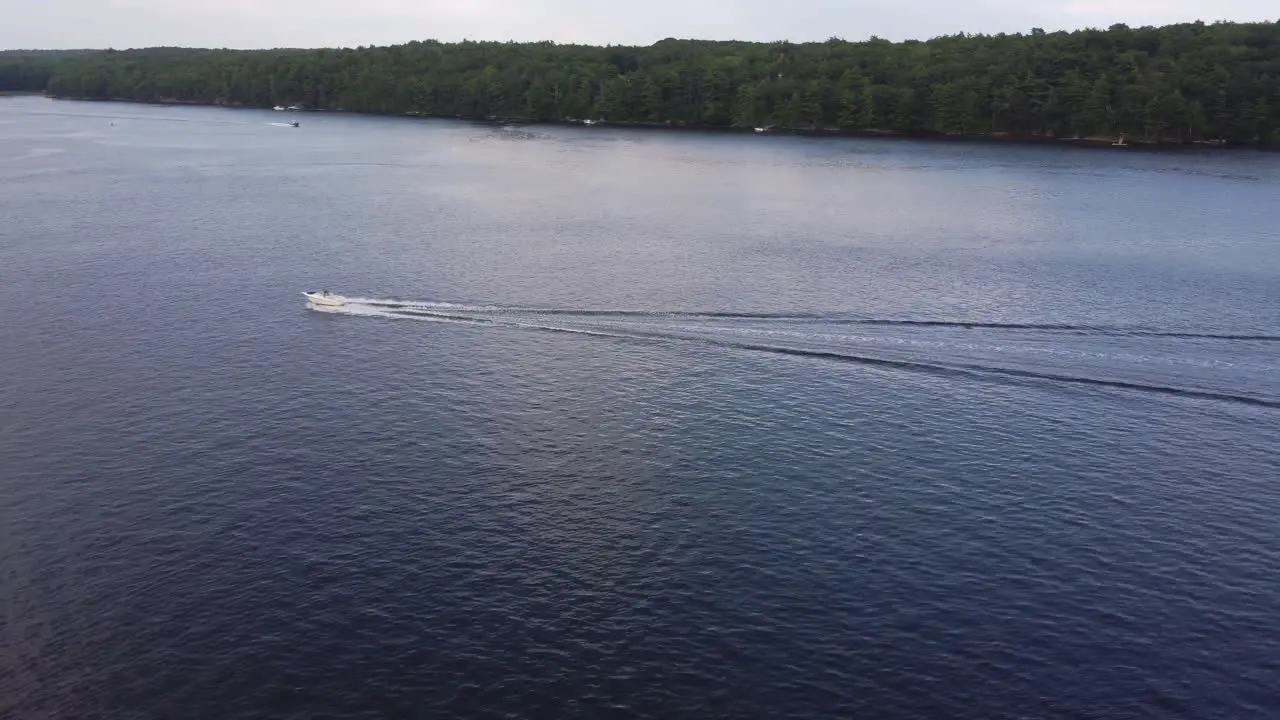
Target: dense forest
(1180, 83)
(24, 74)
(30, 70)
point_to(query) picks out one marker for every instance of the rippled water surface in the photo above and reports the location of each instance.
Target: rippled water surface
(629, 424)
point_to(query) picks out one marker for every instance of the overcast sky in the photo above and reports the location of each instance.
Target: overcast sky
(334, 23)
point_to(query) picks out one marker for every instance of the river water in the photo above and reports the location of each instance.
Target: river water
(629, 423)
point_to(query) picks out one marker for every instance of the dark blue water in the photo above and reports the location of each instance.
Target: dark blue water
(629, 424)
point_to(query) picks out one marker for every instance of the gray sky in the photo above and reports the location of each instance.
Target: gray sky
(314, 23)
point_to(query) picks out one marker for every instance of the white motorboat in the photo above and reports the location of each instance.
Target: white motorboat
(324, 298)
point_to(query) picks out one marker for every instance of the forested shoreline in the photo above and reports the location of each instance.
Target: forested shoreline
(1212, 83)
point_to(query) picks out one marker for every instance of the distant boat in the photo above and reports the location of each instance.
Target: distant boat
(278, 108)
(294, 108)
(324, 298)
(762, 129)
(590, 122)
(293, 124)
(1120, 142)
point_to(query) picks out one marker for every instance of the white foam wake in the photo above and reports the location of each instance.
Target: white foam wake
(362, 310)
(394, 303)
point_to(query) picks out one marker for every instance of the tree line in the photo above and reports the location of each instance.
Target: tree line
(1179, 83)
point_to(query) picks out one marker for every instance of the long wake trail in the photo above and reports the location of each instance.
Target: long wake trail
(647, 325)
(833, 318)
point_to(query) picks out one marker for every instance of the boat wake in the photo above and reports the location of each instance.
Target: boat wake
(1235, 367)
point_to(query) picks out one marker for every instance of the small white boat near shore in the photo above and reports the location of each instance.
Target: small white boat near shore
(324, 298)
